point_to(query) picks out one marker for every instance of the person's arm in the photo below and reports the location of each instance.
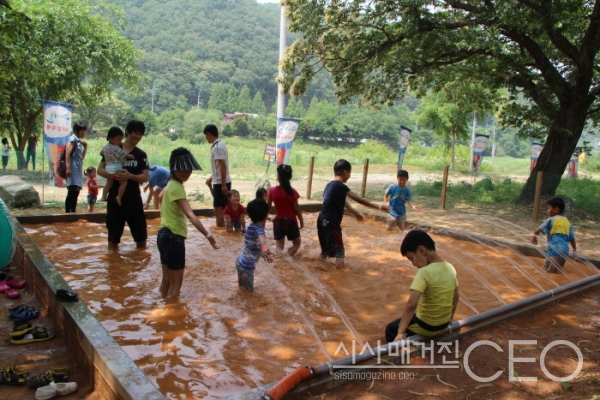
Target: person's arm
(95, 185)
(189, 213)
(209, 184)
(265, 251)
(68, 151)
(223, 171)
(124, 175)
(102, 171)
(358, 215)
(535, 234)
(365, 202)
(84, 144)
(454, 302)
(298, 213)
(409, 311)
(228, 223)
(243, 222)
(150, 196)
(413, 205)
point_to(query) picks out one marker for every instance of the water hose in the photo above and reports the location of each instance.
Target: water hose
(282, 387)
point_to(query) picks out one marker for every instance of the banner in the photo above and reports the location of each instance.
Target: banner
(536, 149)
(573, 165)
(57, 128)
(404, 137)
(286, 132)
(479, 147)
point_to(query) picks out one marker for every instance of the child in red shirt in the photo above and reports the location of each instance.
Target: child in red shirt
(92, 186)
(288, 213)
(234, 213)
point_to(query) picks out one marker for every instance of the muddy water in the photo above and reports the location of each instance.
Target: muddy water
(219, 339)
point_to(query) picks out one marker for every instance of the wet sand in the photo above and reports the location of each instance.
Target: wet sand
(219, 339)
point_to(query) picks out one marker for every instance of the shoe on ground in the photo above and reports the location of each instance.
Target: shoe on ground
(45, 393)
(64, 388)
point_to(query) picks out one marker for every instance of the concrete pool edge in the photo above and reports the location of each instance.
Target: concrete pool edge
(112, 372)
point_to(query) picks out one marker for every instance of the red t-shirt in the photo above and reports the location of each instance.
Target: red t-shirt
(92, 190)
(234, 214)
(284, 203)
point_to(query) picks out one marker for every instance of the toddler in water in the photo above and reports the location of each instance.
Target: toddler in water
(234, 213)
(398, 195)
(285, 223)
(114, 157)
(92, 186)
(255, 245)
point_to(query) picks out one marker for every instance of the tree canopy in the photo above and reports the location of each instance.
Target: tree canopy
(545, 51)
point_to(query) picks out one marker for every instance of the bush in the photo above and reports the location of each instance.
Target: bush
(485, 184)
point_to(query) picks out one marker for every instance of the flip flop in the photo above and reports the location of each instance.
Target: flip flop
(3, 287)
(20, 329)
(38, 334)
(24, 315)
(13, 376)
(66, 295)
(15, 283)
(18, 309)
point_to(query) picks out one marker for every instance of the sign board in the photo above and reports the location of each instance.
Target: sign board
(270, 151)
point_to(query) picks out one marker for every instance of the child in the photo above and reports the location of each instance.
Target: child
(286, 204)
(255, 245)
(261, 193)
(234, 213)
(433, 292)
(92, 186)
(114, 156)
(172, 232)
(398, 195)
(560, 234)
(330, 219)
(5, 153)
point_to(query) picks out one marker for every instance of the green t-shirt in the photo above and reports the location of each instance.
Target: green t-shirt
(171, 215)
(436, 282)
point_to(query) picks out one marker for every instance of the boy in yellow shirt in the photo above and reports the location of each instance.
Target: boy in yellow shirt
(433, 292)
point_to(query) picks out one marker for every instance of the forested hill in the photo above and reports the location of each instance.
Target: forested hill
(188, 45)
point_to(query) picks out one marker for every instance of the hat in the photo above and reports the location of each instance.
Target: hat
(185, 162)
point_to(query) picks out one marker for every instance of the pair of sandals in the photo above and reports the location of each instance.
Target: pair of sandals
(13, 376)
(8, 285)
(22, 313)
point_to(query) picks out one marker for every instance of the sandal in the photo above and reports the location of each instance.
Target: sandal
(38, 334)
(24, 315)
(18, 309)
(66, 295)
(12, 293)
(53, 375)
(3, 287)
(20, 329)
(13, 376)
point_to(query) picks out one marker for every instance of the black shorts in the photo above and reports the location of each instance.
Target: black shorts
(171, 248)
(285, 227)
(219, 199)
(330, 238)
(91, 198)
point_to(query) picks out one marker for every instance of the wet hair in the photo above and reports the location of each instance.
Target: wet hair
(113, 132)
(212, 129)
(79, 126)
(135, 126)
(402, 173)
(89, 170)
(261, 193)
(557, 202)
(4, 140)
(340, 166)
(414, 239)
(257, 210)
(230, 193)
(284, 172)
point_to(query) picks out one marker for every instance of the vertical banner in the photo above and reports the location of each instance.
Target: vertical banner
(404, 138)
(286, 132)
(479, 146)
(57, 128)
(573, 166)
(536, 149)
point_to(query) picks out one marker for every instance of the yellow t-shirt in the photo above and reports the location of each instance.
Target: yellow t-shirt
(436, 282)
(171, 215)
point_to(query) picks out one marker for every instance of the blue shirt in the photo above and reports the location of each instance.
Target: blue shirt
(397, 199)
(334, 201)
(560, 233)
(252, 249)
(159, 177)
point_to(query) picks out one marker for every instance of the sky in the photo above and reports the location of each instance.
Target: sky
(267, 1)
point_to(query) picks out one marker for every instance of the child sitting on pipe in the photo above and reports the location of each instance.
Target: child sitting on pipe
(433, 292)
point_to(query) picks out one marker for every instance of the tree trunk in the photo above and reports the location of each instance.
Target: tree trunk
(560, 145)
(453, 135)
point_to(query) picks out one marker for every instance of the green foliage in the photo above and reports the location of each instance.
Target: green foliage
(592, 163)
(377, 153)
(584, 192)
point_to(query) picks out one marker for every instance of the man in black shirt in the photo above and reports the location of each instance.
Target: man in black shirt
(132, 209)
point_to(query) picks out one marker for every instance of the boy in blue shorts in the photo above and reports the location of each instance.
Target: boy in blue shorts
(255, 244)
(329, 221)
(560, 234)
(398, 196)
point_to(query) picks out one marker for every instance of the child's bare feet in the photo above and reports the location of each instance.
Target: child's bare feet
(118, 199)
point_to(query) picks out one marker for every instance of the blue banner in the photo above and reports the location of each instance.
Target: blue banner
(286, 133)
(404, 138)
(57, 128)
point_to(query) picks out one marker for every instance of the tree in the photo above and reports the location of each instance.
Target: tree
(295, 108)
(72, 49)
(218, 97)
(546, 51)
(232, 100)
(244, 102)
(322, 118)
(258, 105)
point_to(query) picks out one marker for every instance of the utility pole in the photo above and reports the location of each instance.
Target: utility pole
(282, 45)
(472, 142)
(152, 108)
(493, 144)
(198, 106)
